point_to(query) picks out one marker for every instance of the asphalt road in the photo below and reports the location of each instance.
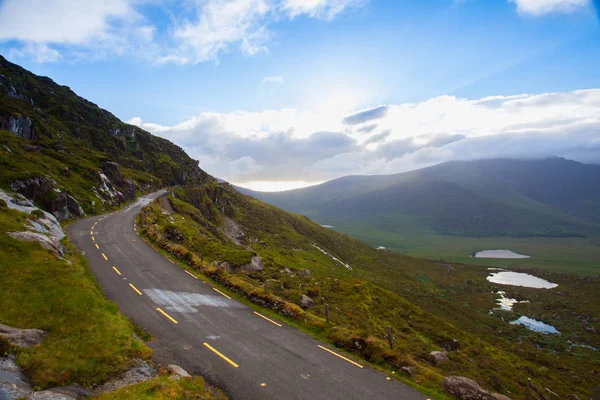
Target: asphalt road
(243, 353)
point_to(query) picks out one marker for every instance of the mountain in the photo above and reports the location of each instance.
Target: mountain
(552, 197)
(64, 151)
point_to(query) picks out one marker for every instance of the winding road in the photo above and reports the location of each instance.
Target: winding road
(248, 355)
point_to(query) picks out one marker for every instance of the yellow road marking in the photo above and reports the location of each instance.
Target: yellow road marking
(340, 356)
(104, 256)
(134, 288)
(218, 291)
(190, 274)
(171, 261)
(166, 315)
(96, 244)
(263, 385)
(220, 354)
(91, 232)
(93, 239)
(116, 270)
(268, 319)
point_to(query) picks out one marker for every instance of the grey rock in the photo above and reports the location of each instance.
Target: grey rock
(224, 266)
(304, 272)
(31, 148)
(307, 302)
(21, 126)
(66, 172)
(178, 372)
(48, 242)
(468, 389)
(255, 264)
(438, 357)
(410, 371)
(22, 337)
(65, 207)
(233, 231)
(112, 171)
(52, 394)
(34, 189)
(139, 372)
(451, 345)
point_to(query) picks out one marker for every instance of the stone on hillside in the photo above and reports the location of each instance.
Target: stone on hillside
(255, 264)
(233, 231)
(410, 371)
(178, 372)
(31, 147)
(66, 172)
(304, 273)
(468, 389)
(173, 234)
(307, 302)
(112, 171)
(21, 126)
(224, 266)
(48, 242)
(65, 207)
(34, 189)
(140, 371)
(438, 357)
(451, 345)
(22, 337)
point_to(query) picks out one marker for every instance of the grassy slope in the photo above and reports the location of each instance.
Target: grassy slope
(167, 389)
(88, 341)
(424, 302)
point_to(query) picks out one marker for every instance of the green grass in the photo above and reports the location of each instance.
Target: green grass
(571, 255)
(425, 302)
(89, 340)
(167, 389)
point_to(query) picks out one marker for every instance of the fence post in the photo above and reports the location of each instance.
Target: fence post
(390, 338)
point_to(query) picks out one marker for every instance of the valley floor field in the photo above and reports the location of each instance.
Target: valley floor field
(573, 255)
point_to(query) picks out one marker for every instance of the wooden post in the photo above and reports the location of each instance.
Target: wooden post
(327, 312)
(390, 338)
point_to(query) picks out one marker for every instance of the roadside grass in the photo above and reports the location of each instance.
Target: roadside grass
(425, 302)
(168, 389)
(88, 341)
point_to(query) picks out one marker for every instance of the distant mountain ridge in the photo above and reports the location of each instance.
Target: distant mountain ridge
(551, 197)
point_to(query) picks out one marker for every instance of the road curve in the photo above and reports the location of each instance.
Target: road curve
(208, 334)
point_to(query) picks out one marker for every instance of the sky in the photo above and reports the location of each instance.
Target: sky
(280, 94)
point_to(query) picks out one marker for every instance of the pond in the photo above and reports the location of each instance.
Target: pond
(505, 303)
(498, 254)
(520, 279)
(535, 325)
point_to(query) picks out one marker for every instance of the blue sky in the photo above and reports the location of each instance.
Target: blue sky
(277, 72)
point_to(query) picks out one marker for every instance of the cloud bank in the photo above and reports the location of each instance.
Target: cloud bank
(292, 145)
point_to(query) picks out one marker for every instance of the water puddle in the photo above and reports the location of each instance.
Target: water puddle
(498, 254)
(535, 325)
(520, 279)
(505, 303)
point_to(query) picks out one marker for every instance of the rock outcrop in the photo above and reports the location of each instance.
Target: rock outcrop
(34, 189)
(22, 337)
(140, 371)
(21, 126)
(438, 357)
(255, 264)
(65, 207)
(178, 372)
(468, 389)
(307, 302)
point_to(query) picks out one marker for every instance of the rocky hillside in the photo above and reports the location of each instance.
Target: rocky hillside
(63, 152)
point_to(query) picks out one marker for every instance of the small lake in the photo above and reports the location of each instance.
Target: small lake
(506, 303)
(535, 325)
(520, 279)
(498, 254)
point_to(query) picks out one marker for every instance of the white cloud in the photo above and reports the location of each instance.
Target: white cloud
(292, 145)
(273, 79)
(543, 7)
(40, 52)
(196, 32)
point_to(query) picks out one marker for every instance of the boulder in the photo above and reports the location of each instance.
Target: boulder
(410, 371)
(48, 242)
(224, 266)
(173, 234)
(468, 389)
(65, 207)
(450, 345)
(31, 148)
(307, 302)
(34, 189)
(112, 171)
(438, 357)
(22, 337)
(21, 126)
(178, 372)
(140, 371)
(66, 172)
(304, 273)
(255, 264)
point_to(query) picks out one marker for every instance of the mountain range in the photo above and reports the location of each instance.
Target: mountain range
(552, 197)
